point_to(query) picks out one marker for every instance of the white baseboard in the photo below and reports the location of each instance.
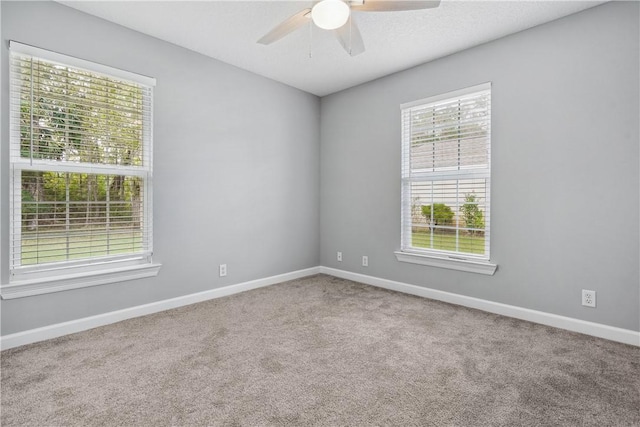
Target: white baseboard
(589, 328)
(79, 325)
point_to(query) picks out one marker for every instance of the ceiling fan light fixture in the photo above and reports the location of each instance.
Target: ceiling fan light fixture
(330, 14)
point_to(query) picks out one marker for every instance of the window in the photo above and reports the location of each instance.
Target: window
(446, 172)
(80, 178)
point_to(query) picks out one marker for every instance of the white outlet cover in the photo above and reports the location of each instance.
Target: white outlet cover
(588, 298)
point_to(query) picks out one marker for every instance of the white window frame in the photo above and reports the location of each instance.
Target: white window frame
(437, 257)
(59, 276)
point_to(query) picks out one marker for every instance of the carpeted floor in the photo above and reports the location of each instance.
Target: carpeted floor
(322, 351)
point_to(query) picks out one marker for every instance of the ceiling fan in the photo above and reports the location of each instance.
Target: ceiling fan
(335, 14)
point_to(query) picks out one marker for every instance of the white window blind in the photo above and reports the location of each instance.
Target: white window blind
(81, 162)
(446, 172)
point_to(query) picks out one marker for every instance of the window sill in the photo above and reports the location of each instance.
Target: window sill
(25, 287)
(470, 266)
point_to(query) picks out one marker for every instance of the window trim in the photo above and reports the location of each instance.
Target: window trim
(72, 61)
(452, 262)
(441, 258)
(118, 271)
(54, 277)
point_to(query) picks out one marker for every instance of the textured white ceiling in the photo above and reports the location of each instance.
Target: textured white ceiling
(394, 41)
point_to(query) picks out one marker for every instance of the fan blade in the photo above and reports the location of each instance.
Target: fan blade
(289, 25)
(393, 6)
(350, 38)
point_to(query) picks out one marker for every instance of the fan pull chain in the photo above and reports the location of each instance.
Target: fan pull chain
(310, 38)
(350, 36)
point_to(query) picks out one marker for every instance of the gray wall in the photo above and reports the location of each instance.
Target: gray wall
(236, 172)
(565, 156)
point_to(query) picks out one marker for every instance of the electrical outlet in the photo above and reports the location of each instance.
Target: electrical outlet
(339, 256)
(365, 261)
(223, 270)
(588, 298)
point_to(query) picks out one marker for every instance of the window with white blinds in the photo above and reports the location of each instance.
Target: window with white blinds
(446, 172)
(81, 162)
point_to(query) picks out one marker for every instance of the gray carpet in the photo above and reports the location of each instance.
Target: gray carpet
(322, 351)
